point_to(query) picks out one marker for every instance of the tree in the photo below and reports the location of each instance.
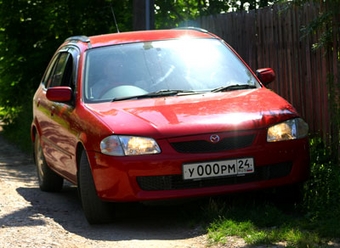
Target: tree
(239, 5)
(171, 13)
(32, 30)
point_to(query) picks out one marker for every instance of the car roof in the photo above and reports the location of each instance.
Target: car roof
(139, 36)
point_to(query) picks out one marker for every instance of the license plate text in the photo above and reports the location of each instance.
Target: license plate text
(218, 168)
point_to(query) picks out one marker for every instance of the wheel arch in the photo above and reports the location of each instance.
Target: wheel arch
(81, 147)
(79, 150)
(34, 132)
(35, 128)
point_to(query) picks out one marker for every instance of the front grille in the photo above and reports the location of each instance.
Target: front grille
(199, 146)
(172, 182)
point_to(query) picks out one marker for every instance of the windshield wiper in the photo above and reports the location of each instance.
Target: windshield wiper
(234, 87)
(160, 93)
(173, 92)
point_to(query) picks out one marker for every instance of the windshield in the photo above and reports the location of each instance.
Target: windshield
(174, 66)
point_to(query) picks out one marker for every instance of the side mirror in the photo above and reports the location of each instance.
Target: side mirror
(59, 94)
(266, 75)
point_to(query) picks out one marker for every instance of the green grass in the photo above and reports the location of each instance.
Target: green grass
(264, 224)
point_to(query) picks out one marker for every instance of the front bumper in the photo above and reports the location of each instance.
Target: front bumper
(159, 177)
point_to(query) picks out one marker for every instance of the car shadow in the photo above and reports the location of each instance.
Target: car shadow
(162, 221)
(133, 220)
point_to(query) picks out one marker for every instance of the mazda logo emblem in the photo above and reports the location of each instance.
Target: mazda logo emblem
(214, 138)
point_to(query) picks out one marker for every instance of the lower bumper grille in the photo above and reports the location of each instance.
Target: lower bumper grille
(173, 182)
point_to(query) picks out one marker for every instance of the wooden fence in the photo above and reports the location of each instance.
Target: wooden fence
(272, 37)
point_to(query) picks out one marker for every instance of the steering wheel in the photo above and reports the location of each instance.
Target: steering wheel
(105, 90)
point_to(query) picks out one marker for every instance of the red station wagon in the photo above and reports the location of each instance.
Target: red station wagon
(162, 114)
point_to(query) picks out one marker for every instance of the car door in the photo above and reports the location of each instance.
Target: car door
(56, 118)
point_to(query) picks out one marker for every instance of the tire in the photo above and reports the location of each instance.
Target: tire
(96, 211)
(49, 181)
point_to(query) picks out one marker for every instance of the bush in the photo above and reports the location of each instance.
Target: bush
(16, 129)
(322, 191)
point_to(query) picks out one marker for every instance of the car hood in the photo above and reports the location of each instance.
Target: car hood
(193, 114)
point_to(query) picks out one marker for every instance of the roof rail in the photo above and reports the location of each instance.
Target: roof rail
(81, 38)
(194, 28)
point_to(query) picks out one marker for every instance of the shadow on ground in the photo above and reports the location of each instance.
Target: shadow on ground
(133, 220)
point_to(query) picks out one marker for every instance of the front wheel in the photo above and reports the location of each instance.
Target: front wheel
(49, 181)
(96, 211)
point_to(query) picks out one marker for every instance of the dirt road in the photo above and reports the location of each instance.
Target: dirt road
(31, 218)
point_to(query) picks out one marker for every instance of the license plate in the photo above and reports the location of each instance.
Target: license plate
(232, 167)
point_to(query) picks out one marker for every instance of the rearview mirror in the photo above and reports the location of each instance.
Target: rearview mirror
(266, 75)
(59, 94)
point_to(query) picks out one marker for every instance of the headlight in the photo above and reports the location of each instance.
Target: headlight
(288, 130)
(119, 145)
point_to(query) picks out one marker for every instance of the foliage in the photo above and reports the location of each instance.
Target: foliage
(326, 23)
(18, 130)
(170, 14)
(30, 32)
(321, 200)
(237, 5)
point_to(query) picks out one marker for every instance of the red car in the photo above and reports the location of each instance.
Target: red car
(154, 115)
